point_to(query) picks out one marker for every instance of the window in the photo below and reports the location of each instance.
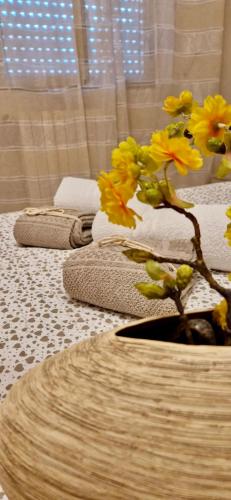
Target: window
(127, 28)
(39, 37)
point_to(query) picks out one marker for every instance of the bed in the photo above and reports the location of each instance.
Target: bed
(38, 319)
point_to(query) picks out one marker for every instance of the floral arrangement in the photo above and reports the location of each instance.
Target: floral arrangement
(144, 171)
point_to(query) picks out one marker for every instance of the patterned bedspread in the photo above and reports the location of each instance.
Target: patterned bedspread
(37, 319)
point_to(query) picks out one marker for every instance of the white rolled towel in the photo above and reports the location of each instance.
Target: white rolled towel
(80, 194)
(169, 233)
(102, 227)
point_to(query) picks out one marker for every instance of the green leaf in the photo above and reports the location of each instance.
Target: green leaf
(154, 270)
(151, 290)
(171, 196)
(138, 256)
(182, 204)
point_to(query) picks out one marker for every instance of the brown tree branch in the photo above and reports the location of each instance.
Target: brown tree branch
(200, 264)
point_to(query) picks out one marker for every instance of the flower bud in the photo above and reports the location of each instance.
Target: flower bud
(183, 276)
(175, 129)
(154, 196)
(154, 270)
(141, 196)
(151, 290)
(224, 168)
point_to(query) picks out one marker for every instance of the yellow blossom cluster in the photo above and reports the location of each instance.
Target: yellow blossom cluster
(210, 122)
(136, 168)
(136, 171)
(119, 185)
(185, 103)
(177, 150)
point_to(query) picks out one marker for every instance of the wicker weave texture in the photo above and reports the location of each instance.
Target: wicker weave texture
(120, 418)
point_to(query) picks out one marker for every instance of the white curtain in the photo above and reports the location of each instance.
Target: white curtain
(97, 72)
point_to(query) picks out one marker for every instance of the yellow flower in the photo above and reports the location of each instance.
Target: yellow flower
(209, 121)
(123, 163)
(126, 153)
(228, 234)
(228, 212)
(219, 314)
(121, 159)
(228, 230)
(130, 145)
(124, 160)
(176, 149)
(114, 196)
(174, 106)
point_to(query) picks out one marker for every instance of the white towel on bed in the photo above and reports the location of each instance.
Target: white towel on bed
(80, 194)
(169, 233)
(102, 227)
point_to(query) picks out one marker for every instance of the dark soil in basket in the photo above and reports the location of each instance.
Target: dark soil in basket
(170, 330)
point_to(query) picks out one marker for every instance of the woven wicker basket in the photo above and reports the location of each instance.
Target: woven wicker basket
(120, 418)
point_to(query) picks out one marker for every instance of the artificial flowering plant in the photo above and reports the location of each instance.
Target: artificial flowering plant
(144, 171)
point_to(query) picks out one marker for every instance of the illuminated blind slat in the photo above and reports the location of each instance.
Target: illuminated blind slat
(38, 36)
(127, 22)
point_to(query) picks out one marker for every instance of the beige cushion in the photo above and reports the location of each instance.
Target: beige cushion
(105, 277)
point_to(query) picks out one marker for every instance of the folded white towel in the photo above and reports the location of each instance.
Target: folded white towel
(80, 194)
(169, 233)
(102, 227)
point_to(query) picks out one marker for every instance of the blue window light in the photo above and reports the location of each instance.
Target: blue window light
(38, 28)
(127, 18)
(45, 27)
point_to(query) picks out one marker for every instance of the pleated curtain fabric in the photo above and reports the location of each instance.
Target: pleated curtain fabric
(97, 72)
